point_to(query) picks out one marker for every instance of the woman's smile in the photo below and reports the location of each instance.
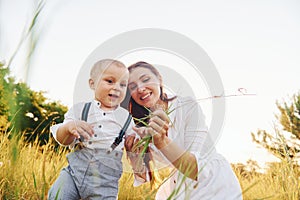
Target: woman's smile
(145, 96)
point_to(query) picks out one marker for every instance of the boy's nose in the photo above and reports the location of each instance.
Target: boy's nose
(117, 87)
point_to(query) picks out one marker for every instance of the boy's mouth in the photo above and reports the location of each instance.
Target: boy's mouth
(113, 95)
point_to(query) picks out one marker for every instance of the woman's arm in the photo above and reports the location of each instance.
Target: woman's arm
(183, 160)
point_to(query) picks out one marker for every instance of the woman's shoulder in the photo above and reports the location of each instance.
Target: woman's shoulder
(185, 100)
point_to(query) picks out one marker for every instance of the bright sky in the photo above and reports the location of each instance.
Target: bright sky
(253, 44)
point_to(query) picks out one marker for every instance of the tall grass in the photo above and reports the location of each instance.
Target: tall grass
(280, 181)
(28, 170)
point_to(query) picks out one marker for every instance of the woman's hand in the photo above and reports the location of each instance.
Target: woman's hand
(133, 150)
(136, 161)
(158, 127)
(183, 160)
(129, 142)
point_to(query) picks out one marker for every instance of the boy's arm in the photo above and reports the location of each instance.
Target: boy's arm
(63, 135)
(67, 132)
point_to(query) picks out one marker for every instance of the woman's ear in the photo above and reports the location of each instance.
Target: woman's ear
(92, 84)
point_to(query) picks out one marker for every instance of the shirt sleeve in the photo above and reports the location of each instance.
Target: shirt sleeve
(70, 115)
(196, 138)
(195, 128)
(53, 130)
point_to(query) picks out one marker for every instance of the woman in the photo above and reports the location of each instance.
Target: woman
(180, 138)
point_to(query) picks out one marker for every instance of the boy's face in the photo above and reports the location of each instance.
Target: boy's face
(110, 88)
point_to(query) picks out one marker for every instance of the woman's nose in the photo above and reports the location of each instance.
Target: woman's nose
(140, 88)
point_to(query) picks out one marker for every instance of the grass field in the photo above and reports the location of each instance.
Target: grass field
(27, 172)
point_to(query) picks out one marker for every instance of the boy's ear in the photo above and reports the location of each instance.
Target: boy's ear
(92, 83)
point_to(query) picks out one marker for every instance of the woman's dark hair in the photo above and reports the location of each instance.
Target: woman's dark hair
(138, 111)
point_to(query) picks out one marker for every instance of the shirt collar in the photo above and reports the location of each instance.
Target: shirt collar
(98, 104)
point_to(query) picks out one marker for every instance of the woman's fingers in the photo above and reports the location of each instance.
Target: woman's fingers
(141, 131)
(129, 141)
(159, 122)
(158, 127)
(154, 129)
(160, 114)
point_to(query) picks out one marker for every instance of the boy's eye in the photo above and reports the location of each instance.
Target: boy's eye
(109, 81)
(123, 85)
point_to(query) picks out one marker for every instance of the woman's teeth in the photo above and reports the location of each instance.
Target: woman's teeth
(144, 97)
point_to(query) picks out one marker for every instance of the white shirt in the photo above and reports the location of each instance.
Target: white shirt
(188, 130)
(106, 124)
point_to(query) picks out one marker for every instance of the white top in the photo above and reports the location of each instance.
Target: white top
(106, 124)
(216, 180)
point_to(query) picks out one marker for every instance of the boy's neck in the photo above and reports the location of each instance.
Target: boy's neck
(108, 108)
(105, 108)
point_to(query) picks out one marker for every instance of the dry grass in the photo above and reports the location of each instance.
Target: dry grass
(27, 171)
(281, 181)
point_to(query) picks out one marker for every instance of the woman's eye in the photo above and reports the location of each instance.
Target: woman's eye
(123, 85)
(132, 87)
(146, 79)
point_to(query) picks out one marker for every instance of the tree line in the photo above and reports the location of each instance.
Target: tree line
(24, 112)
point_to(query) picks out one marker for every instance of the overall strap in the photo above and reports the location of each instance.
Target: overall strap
(122, 132)
(128, 120)
(85, 111)
(84, 116)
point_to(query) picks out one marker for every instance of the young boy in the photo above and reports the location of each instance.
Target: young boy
(93, 173)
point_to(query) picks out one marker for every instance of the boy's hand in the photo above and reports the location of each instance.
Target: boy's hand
(79, 128)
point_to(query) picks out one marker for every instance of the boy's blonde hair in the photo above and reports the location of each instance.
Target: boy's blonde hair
(101, 65)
